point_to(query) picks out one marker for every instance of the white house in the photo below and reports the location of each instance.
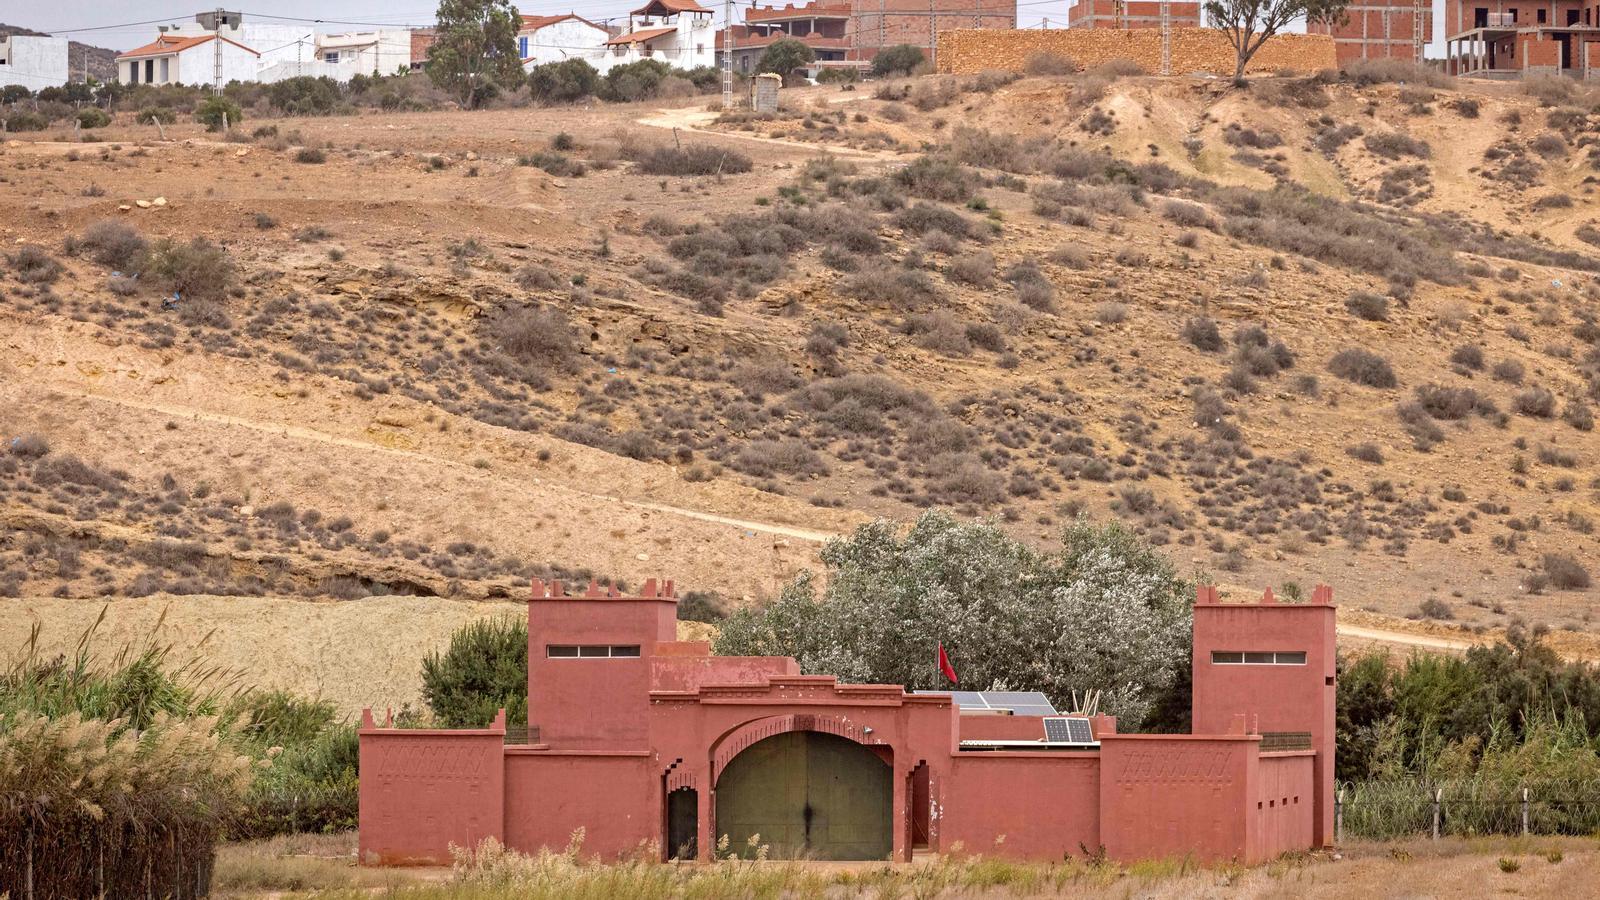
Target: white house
(33, 61)
(340, 56)
(274, 42)
(187, 60)
(549, 39)
(676, 32)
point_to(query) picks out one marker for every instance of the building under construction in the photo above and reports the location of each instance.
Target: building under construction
(1132, 14)
(1381, 30)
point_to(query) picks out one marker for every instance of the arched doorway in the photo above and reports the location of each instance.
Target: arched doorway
(683, 823)
(807, 794)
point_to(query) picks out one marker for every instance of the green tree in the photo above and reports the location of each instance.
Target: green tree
(1251, 23)
(785, 55)
(563, 82)
(901, 59)
(475, 51)
(485, 669)
(218, 113)
(1101, 611)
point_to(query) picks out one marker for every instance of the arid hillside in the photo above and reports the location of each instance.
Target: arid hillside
(1307, 331)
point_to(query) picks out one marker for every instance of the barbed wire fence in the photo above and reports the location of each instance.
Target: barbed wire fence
(1382, 810)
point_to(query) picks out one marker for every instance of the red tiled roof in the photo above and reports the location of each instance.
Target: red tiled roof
(166, 44)
(634, 37)
(534, 23)
(669, 7)
(790, 11)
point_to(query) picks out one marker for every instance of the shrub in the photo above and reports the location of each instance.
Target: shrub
(937, 178)
(1043, 62)
(304, 95)
(25, 120)
(692, 159)
(310, 155)
(485, 669)
(1203, 334)
(563, 82)
(93, 117)
(1368, 306)
(535, 335)
(32, 264)
(1549, 146)
(198, 270)
(1435, 608)
(1469, 356)
(1366, 452)
(1508, 370)
(1578, 415)
(900, 59)
(1188, 215)
(218, 113)
(1565, 572)
(29, 446)
(1448, 403)
(1362, 367)
(791, 457)
(634, 81)
(975, 268)
(922, 218)
(889, 285)
(1393, 145)
(114, 245)
(153, 114)
(1535, 402)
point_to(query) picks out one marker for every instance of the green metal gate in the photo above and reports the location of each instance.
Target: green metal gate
(807, 794)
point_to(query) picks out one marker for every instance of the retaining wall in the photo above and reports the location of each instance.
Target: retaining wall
(1194, 50)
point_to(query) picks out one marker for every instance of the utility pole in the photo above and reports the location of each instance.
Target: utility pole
(882, 35)
(727, 55)
(216, 46)
(933, 40)
(1166, 37)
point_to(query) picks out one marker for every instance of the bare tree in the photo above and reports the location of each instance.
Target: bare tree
(1250, 23)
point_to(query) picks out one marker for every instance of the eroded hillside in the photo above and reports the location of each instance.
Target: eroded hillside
(1304, 332)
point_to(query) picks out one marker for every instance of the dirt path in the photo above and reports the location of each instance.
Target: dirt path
(1403, 638)
(310, 434)
(691, 118)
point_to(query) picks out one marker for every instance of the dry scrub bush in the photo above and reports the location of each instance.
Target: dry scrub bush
(693, 159)
(113, 245)
(535, 335)
(1362, 367)
(1044, 63)
(1365, 72)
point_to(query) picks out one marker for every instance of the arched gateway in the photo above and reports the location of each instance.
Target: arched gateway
(807, 794)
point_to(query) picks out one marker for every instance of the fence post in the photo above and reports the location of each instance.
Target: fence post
(1439, 796)
(1524, 812)
(1338, 817)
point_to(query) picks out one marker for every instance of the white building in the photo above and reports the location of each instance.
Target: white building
(33, 61)
(551, 39)
(340, 56)
(676, 32)
(188, 60)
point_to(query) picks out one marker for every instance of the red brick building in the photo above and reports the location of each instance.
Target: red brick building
(1130, 14)
(640, 739)
(823, 27)
(1492, 38)
(1375, 29)
(845, 32)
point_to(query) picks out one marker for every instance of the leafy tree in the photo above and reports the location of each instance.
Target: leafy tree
(475, 51)
(901, 59)
(485, 669)
(563, 82)
(305, 95)
(1250, 23)
(1102, 611)
(785, 55)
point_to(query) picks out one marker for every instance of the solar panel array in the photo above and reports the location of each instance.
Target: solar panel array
(1068, 730)
(1021, 703)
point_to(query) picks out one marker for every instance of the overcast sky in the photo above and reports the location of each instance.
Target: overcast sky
(113, 23)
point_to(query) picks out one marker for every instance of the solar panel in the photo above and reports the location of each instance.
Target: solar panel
(1020, 703)
(1068, 730)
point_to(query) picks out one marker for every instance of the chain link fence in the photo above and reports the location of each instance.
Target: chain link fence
(1381, 810)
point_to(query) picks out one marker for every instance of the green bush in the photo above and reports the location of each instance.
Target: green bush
(218, 113)
(784, 55)
(485, 669)
(304, 96)
(153, 114)
(199, 270)
(26, 120)
(563, 82)
(901, 59)
(838, 75)
(93, 117)
(634, 81)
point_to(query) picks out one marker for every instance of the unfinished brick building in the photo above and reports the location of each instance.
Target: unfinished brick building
(1131, 14)
(1375, 29)
(875, 24)
(645, 741)
(1514, 39)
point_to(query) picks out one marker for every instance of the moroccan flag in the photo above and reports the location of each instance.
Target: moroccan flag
(945, 668)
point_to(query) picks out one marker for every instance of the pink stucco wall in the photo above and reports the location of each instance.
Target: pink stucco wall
(1282, 819)
(422, 791)
(1027, 805)
(613, 797)
(1176, 795)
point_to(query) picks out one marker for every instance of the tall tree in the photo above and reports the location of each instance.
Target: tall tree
(1250, 23)
(785, 55)
(475, 50)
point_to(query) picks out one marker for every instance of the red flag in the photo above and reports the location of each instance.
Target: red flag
(945, 668)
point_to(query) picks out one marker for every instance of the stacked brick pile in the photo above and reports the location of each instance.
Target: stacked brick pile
(1193, 50)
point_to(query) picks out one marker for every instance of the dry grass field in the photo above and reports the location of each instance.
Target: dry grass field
(1305, 332)
(1451, 868)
